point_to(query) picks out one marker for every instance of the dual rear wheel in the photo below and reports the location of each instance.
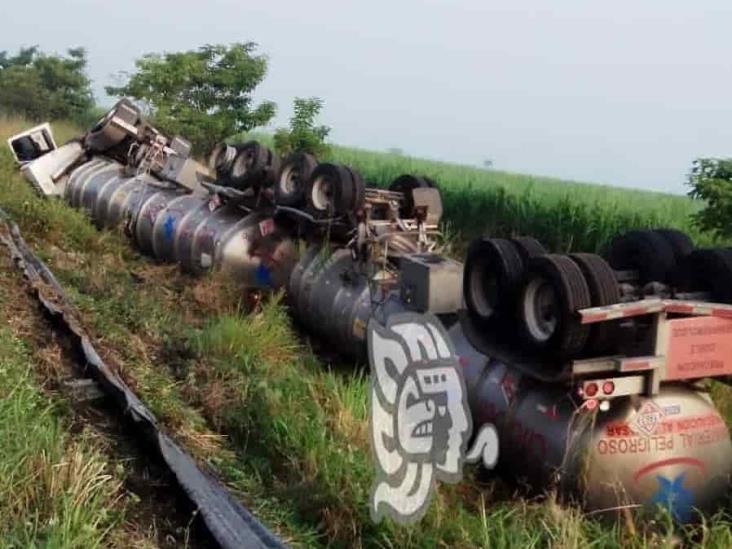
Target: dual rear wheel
(515, 289)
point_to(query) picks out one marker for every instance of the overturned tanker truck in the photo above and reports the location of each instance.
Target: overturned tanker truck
(592, 370)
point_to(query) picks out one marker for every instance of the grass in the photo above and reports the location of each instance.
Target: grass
(564, 215)
(55, 490)
(284, 431)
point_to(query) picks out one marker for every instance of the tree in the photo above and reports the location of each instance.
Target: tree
(711, 181)
(204, 95)
(303, 134)
(40, 86)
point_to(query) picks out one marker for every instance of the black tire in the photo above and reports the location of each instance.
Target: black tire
(554, 330)
(491, 280)
(405, 184)
(710, 270)
(359, 192)
(292, 179)
(680, 242)
(332, 191)
(604, 290)
(682, 246)
(646, 252)
(249, 167)
(528, 247)
(273, 168)
(218, 161)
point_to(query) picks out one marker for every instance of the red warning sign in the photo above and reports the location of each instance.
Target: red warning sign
(699, 347)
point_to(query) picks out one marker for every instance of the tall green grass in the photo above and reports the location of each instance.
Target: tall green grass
(54, 491)
(564, 215)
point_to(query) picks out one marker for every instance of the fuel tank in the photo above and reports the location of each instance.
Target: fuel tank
(673, 449)
(335, 298)
(178, 226)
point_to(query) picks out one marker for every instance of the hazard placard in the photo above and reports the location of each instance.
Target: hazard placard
(699, 347)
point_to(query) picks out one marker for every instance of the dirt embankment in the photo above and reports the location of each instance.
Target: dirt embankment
(148, 509)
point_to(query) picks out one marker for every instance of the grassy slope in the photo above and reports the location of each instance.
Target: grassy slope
(294, 442)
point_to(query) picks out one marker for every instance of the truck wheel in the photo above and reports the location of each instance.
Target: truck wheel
(682, 246)
(491, 279)
(333, 190)
(249, 167)
(221, 158)
(604, 290)
(272, 169)
(292, 179)
(528, 247)
(554, 291)
(353, 200)
(710, 270)
(646, 252)
(405, 184)
(680, 242)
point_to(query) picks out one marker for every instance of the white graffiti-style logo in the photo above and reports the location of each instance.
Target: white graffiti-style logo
(420, 420)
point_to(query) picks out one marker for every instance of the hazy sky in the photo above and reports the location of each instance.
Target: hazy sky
(619, 92)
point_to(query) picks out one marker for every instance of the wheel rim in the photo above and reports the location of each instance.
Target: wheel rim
(484, 290)
(322, 194)
(540, 309)
(290, 180)
(243, 163)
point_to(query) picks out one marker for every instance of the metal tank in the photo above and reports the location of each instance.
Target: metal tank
(673, 448)
(637, 451)
(330, 294)
(178, 226)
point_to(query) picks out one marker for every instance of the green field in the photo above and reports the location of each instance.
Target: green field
(286, 432)
(564, 215)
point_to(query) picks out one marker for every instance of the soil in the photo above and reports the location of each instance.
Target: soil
(156, 512)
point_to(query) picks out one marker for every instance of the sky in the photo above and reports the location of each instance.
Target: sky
(623, 92)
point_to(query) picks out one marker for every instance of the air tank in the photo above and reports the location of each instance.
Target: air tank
(672, 449)
(178, 226)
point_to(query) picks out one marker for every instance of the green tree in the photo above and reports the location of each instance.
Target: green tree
(204, 95)
(711, 181)
(303, 134)
(42, 86)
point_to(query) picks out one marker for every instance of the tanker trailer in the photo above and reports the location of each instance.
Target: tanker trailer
(576, 363)
(590, 373)
(124, 172)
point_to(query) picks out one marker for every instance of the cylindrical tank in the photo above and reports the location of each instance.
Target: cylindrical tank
(330, 294)
(672, 449)
(176, 226)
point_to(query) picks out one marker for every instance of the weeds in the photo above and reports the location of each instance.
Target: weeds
(54, 491)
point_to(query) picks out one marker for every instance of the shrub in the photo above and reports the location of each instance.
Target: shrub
(303, 135)
(711, 181)
(41, 86)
